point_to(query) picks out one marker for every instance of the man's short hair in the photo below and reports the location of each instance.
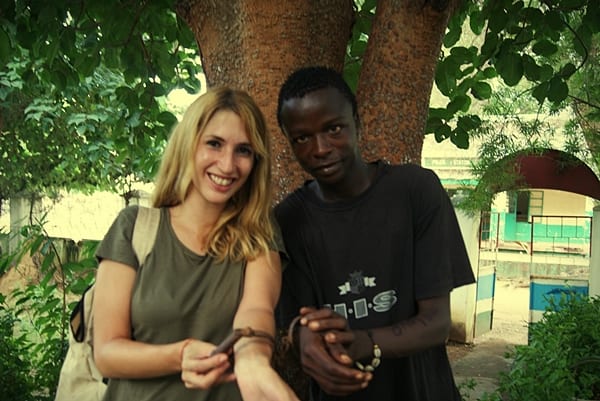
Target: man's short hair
(309, 79)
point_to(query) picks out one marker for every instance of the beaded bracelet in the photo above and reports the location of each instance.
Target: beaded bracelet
(376, 356)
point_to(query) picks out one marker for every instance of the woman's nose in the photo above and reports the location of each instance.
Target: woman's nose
(227, 161)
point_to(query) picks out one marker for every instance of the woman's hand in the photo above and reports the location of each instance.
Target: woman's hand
(258, 381)
(200, 370)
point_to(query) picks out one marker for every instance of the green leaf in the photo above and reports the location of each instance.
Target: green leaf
(463, 55)
(592, 18)
(442, 113)
(582, 41)
(476, 21)
(468, 123)
(544, 48)
(35, 245)
(546, 72)
(460, 138)
(445, 76)
(510, 68)
(351, 74)
(540, 92)
(567, 70)
(481, 90)
(167, 119)
(5, 47)
(490, 45)
(498, 20)
(558, 90)
(490, 72)
(452, 35)
(442, 132)
(534, 15)
(530, 68)
(433, 124)
(554, 20)
(459, 103)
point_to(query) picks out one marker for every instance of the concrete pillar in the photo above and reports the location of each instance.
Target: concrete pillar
(463, 299)
(19, 213)
(595, 257)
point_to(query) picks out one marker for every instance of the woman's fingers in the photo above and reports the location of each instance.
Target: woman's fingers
(199, 370)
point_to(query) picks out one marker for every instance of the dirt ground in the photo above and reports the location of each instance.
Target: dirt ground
(483, 360)
(511, 314)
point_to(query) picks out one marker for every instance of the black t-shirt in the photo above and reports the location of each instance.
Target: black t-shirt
(370, 259)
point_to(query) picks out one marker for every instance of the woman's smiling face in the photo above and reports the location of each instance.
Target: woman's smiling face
(223, 159)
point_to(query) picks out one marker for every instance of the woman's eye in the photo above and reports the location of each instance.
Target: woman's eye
(213, 143)
(246, 151)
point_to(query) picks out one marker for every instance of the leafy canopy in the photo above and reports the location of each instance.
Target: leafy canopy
(82, 92)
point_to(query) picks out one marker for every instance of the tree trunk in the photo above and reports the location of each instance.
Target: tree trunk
(397, 76)
(255, 45)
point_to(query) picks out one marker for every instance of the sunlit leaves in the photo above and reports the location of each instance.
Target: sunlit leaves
(92, 78)
(534, 46)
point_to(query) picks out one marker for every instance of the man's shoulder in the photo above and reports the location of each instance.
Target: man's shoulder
(409, 173)
(408, 168)
(290, 205)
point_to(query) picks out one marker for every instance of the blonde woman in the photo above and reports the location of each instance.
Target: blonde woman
(214, 267)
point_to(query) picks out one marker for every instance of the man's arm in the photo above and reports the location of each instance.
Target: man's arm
(428, 328)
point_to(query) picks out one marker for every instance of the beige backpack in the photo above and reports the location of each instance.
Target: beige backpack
(79, 377)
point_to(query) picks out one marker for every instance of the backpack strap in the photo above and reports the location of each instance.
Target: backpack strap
(144, 235)
(144, 232)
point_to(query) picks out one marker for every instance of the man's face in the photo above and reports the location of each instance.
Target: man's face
(322, 131)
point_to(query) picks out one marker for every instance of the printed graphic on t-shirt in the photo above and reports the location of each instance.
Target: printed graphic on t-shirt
(359, 308)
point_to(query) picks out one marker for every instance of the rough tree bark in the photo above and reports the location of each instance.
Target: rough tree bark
(397, 76)
(254, 45)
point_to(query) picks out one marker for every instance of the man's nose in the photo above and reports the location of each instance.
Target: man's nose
(322, 144)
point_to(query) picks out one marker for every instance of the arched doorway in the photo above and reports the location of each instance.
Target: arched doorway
(544, 171)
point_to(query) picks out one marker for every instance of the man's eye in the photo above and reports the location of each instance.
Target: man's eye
(301, 139)
(334, 129)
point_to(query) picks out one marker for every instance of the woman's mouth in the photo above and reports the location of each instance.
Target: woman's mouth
(220, 180)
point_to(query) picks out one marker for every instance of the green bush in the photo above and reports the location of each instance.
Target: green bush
(34, 318)
(14, 380)
(562, 360)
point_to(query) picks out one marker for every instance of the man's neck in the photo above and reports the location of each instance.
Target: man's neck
(355, 183)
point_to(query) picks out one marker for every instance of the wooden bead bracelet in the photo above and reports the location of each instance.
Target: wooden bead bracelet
(376, 361)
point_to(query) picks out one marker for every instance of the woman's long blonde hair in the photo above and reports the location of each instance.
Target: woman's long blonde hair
(244, 229)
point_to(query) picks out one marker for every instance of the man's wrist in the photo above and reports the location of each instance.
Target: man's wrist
(372, 359)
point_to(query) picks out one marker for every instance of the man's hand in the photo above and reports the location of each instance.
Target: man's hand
(326, 362)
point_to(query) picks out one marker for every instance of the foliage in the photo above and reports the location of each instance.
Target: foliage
(561, 361)
(38, 312)
(87, 79)
(14, 380)
(522, 43)
(82, 92)
(513, 126)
